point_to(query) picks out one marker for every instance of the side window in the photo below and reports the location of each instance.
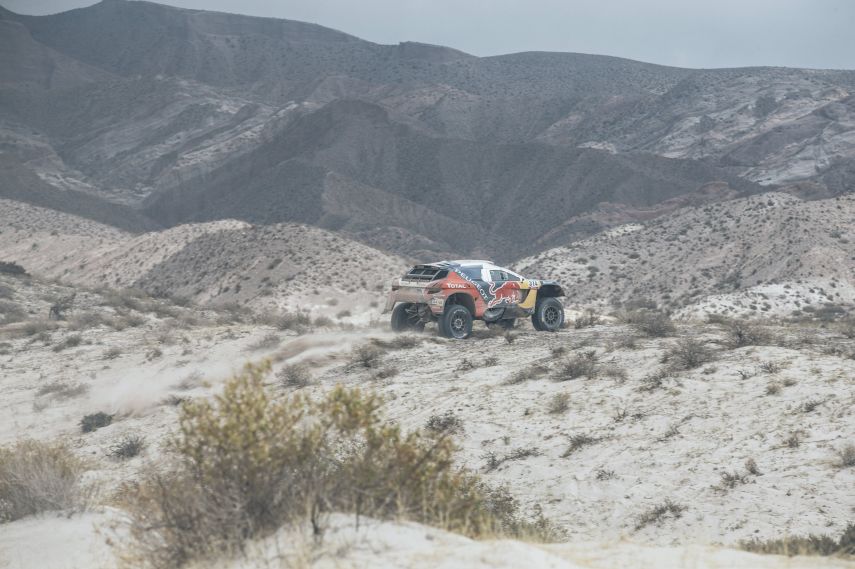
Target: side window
(512, 277)
(498, 276)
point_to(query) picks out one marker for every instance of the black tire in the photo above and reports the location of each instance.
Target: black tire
(456, 322)
(548, 315)
(403, 319)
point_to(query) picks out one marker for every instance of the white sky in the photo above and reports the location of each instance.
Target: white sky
(686, 33)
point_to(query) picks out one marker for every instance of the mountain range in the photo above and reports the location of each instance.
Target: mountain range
(144, 117)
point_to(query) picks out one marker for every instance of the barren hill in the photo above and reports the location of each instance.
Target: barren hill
(769, 254)
(270, 268)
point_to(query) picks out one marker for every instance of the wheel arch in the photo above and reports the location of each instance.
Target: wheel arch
(551, 290)
(462, 299)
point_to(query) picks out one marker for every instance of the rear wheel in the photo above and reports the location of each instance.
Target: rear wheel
(548, 315)
(405, 317)
(455, 322)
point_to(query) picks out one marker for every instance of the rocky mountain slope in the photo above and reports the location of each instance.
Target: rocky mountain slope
(763, 255)
(418, 149)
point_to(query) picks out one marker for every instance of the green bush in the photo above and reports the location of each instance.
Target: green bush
(245, 464)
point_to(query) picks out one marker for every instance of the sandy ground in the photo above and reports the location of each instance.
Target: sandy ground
(645, 446)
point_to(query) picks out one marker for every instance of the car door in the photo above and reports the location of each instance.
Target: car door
(504, 288)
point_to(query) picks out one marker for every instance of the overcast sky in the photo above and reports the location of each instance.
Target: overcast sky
(686, 33)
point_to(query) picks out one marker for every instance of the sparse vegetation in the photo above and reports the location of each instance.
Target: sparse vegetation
(447, 423)
(366, 356)
(587, 319)
(583, 365)
(687, 353)
(37, 477)
(660, 512)
(651, 323)
(740, 333)
(61, 390)
(558, 403)
(266, 342)
(95, 421)
(812, 544)
(847, 456)
(128, 447)
(578, 442)
(295, 375)
(534, 371)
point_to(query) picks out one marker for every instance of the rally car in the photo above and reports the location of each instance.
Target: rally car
(454, 293)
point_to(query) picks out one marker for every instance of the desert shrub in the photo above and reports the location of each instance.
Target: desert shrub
(366, 356)
(847, 328)
(740, 333)
(655, 380)
(296, 321)
(11, 312)
(295, 375)
(773, 388)
(687, 353)
(11, 268)
(62, 390)
(494, 461)
(70, 342)
(266, 342)
(805, 545)
(399, 342)
(587, 319)
(652, 323)
(95, 421)
(37, 477)
(657, 513)
(244, 464)
(584, 365)
(112, 353)
(847, 456)
(534, 371)
(559, 403)
(6, 292)
(447, 423)
(578, 442)
(128, 447)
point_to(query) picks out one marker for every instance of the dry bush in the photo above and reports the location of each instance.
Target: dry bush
(494, 462)
(657, 513)
(399, 342)
(61, 390)
(847, 456)
(847, 328)
(806, 545)
(295, 375)
(70, 342)
(39, 326)
(267, 342)
(584, 365)
(37, 477)
(578, 442)
(128, 447)
(687, 354)
(559, 403)
(447, 423)
(651, 323)
(243, 465)
(11, 312)
(740, 333)
(296, 321)
(587, 319)
(533, 371)
(366, 356)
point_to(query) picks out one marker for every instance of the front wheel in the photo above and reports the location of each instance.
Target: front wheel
(456, 322)
(548, 315)
(405, 317)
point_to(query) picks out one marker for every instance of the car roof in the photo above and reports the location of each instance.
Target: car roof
(473, 264)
